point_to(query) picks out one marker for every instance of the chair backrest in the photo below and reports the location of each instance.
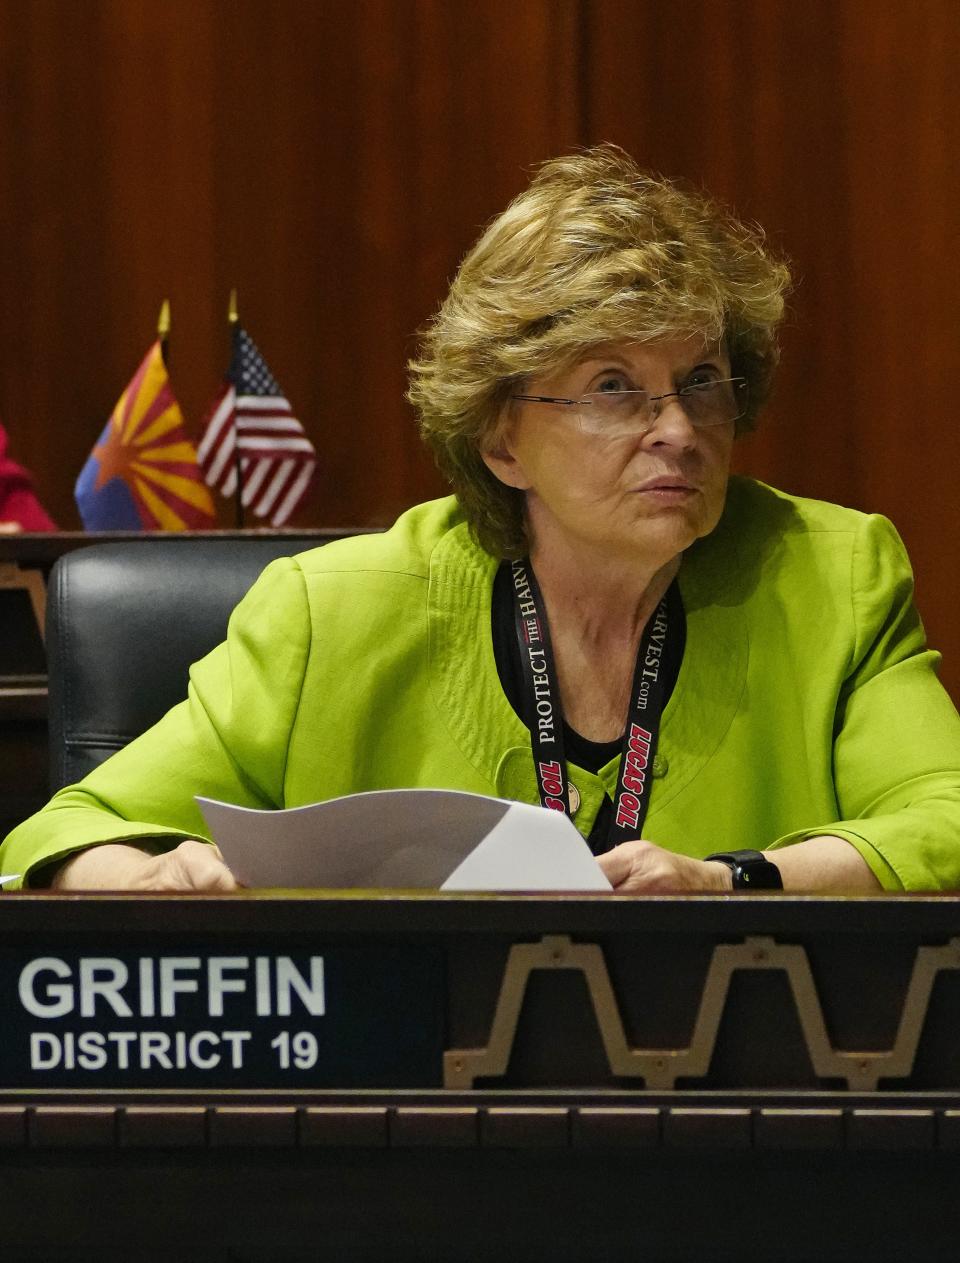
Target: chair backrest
(124, 623)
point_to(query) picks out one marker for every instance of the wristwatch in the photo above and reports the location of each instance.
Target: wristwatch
(751, 870)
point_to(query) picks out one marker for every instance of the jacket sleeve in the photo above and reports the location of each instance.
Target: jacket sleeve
(896, 747)
(228, 740)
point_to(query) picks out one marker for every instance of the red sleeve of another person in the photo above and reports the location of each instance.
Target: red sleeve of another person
(17, 500)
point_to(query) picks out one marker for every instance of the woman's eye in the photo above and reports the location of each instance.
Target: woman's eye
(700, 379)
(612, 383)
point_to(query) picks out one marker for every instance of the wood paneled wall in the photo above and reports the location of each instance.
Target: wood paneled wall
(333, 159)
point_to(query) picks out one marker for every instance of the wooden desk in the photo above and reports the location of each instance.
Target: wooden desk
(762, 1149)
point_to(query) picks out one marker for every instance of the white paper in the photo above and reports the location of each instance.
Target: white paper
(405, 838)
(526, 850)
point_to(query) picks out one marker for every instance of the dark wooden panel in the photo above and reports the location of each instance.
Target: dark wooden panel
(464, 1206)
(331, 160)
(438, 1174)
(834, 126)
(335, 160)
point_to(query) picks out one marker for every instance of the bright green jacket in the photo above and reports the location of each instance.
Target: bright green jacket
(806, 703)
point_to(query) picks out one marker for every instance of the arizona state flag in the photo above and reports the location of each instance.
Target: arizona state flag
(143, 473)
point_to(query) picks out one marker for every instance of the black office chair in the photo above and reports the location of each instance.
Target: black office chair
(124, 623)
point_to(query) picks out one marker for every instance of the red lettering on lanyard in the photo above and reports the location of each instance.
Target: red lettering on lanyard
(637, 760)
(551, 779)
(628, 810)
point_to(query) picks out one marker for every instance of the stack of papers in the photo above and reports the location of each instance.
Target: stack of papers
(434, 839)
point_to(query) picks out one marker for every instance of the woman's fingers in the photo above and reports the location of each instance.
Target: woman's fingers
(634, 868)
(616, 864)
(194, 866)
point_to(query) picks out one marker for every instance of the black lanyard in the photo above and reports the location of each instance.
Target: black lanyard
(545, 719)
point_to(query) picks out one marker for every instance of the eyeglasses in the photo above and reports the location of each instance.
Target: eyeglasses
(631, 413)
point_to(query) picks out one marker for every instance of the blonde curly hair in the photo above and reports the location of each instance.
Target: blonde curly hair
(593, 251)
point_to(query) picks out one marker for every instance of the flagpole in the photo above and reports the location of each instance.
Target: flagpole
(163, 331)
(233, 319)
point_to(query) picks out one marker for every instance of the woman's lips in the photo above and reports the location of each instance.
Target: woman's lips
(668, 490)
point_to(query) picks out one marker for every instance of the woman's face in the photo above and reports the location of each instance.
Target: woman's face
(646, 497)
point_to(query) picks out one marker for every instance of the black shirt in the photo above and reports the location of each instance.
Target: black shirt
(590, 755)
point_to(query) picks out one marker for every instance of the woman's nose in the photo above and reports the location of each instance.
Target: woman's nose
(671, 424)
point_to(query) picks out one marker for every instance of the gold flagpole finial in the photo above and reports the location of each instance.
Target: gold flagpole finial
(232, 313)
(163, 321)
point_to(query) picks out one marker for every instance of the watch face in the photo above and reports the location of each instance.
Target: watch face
(755, 872)
(751, 870)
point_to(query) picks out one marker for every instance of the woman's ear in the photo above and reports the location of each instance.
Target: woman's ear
(505, 466)
(500, 459)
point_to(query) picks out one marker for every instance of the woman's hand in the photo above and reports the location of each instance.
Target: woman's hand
(196, 866)
(642, 868)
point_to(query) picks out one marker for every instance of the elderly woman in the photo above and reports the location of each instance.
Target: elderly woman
(601, 620)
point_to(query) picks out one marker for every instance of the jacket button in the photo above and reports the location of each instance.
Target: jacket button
(661, 765)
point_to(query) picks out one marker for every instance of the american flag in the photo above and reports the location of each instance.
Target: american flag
(252, 436)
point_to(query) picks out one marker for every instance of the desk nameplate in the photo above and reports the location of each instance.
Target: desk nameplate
(185, 1016)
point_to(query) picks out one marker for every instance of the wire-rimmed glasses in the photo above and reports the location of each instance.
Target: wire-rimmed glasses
(631, 413)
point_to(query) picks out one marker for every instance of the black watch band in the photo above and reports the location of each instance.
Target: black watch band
(751, 870)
